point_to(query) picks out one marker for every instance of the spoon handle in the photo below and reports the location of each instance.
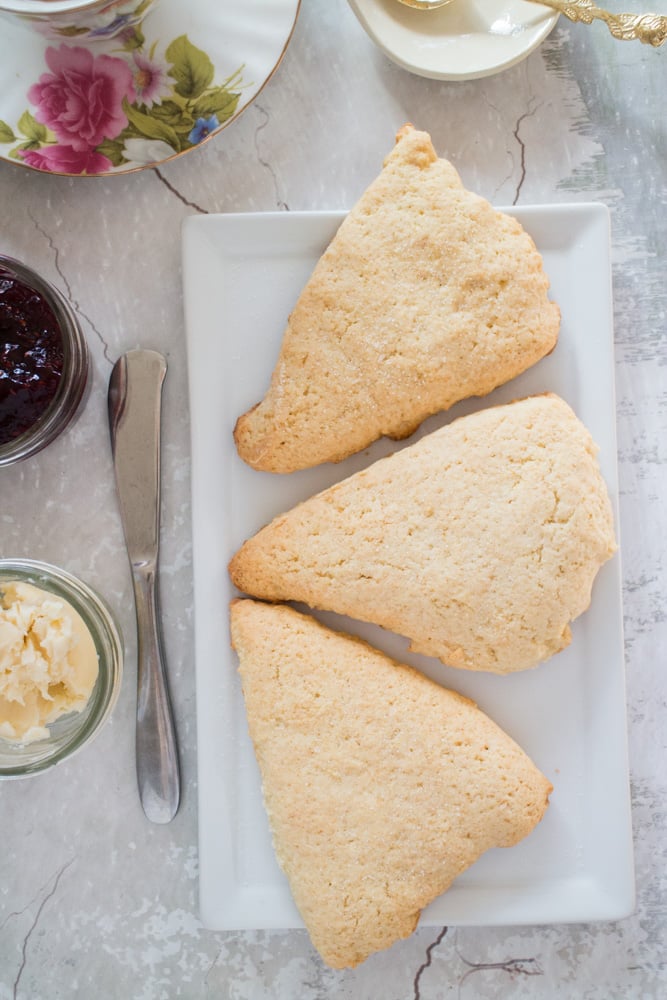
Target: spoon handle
(648, 28)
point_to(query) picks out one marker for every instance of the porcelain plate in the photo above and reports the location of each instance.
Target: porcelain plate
(242, 275)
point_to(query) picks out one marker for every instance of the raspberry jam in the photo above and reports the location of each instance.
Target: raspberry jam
(31, 356)
(44, 362)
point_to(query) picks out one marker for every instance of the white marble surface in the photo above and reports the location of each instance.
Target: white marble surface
(95, 901)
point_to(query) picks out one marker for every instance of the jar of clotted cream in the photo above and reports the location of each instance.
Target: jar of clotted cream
(44, 362)
(61, 660)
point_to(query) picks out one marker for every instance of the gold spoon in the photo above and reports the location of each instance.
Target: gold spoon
(648, 28)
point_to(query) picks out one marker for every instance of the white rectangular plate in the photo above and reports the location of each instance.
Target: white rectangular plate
(242, 276)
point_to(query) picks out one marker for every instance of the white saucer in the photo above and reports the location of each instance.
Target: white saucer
(156, 91)
(463, 41)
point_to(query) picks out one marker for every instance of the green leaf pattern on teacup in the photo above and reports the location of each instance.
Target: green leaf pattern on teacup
(154, 106)
(191, 68)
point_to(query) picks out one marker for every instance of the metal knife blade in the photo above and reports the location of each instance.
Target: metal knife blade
(134, 402)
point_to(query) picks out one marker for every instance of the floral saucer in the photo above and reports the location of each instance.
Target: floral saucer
(159, 88)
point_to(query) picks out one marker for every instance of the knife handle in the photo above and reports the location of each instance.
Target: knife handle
(157, 756)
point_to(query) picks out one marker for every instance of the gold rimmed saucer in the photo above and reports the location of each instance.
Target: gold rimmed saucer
(459, 41)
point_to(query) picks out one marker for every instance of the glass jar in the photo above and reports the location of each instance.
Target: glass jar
(58, 411)
(70, 732)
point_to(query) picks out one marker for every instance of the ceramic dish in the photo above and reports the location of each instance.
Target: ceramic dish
(155, 91)
(568, 714)
(463, 41)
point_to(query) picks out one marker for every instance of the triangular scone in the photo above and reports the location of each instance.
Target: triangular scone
(480, 542)
(426, 295)
(381, 786)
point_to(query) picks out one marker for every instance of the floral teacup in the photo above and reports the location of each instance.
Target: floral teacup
(83, 20)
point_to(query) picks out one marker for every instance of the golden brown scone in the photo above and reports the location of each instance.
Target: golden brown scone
(381, 786)
(425, 296)
(480, 542)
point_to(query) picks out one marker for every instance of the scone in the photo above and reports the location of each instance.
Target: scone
(426, 295)
(380, 785)
(480, 542)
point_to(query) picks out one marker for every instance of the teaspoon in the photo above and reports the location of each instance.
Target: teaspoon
(648, 28)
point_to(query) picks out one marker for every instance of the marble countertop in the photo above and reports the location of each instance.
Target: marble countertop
(94, 900)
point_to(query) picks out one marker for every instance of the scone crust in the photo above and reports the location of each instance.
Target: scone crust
(380, 786)
(426, 295)
(480, 542)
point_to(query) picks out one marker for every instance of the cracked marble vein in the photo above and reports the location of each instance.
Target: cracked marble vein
(424, 966)
(532, 109)
(19, 913)
(174, 190)
(512, 966)
(70, 296)
(265, 163)
(507, 177)
(211, 967)
(24, 946)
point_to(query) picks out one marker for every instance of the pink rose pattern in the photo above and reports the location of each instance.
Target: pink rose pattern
(81, 98)
(81, 101)
(91, 109)
(66, 160)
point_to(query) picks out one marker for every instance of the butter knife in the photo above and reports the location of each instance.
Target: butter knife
(134, 401)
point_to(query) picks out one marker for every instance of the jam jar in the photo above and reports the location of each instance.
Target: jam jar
(44, 363)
